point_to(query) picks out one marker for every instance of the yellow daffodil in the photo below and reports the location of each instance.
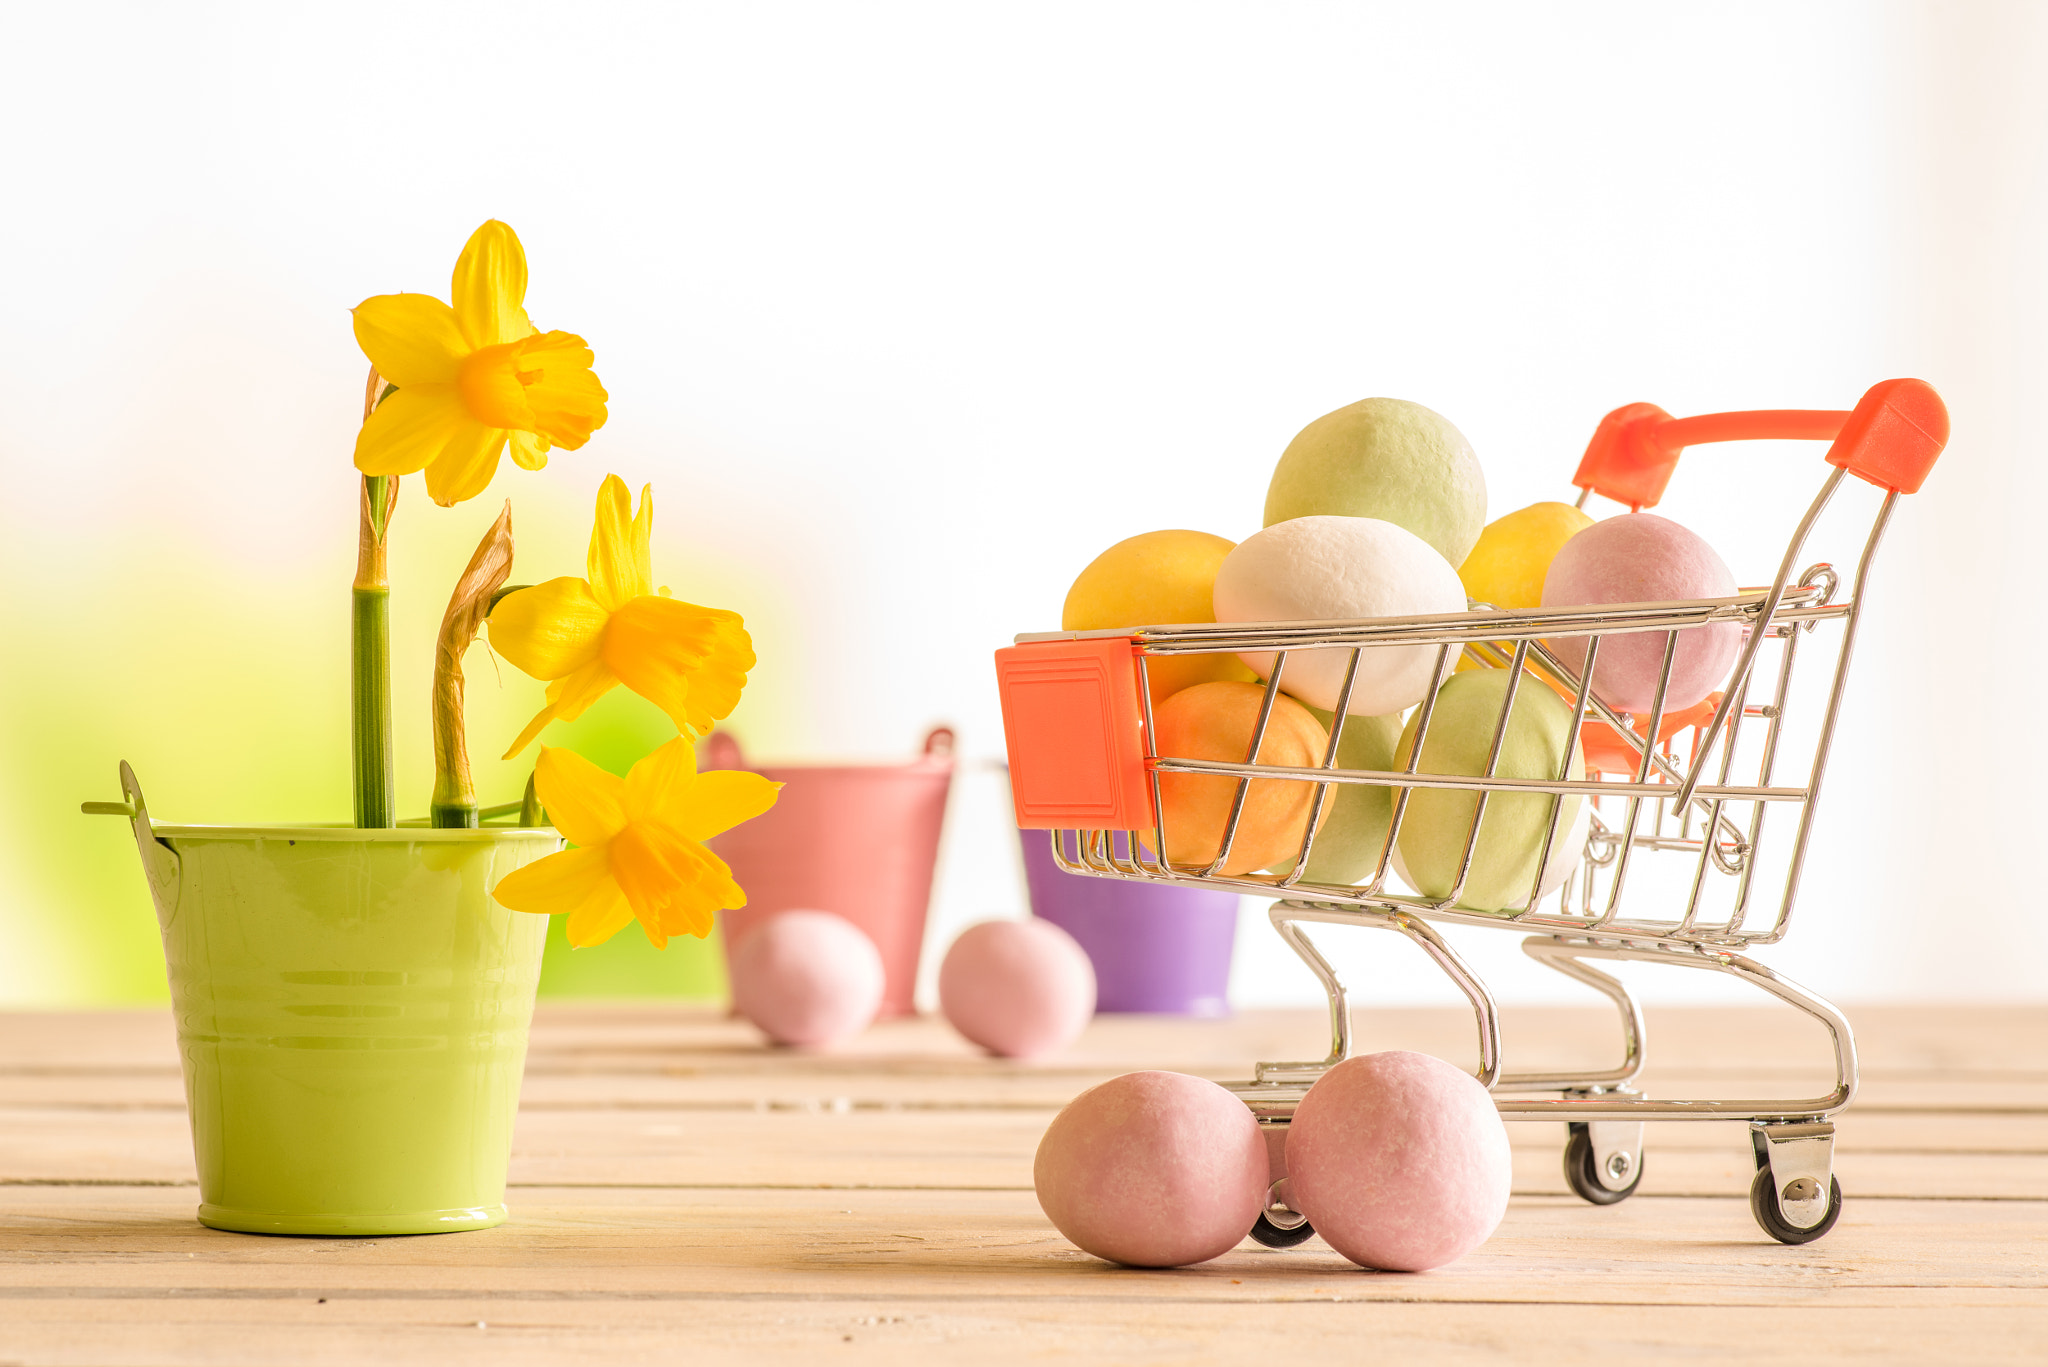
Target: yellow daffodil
(587, 635)
(472, 377)
(638, 844)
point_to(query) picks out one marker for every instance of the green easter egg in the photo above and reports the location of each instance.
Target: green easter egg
(1389, 459)
(1347, 848)
(1511, 835)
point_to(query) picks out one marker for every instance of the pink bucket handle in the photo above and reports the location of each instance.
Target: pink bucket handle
(722, 751)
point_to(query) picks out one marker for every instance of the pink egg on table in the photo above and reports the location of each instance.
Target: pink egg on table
(1399, 1160)
(1642, 558)
(807, 978)
(1153, 1170)
(1017, 988)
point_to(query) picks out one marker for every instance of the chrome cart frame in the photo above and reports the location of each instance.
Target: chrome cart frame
(1728, 809)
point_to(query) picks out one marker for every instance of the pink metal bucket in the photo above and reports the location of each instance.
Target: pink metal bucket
(856, 840)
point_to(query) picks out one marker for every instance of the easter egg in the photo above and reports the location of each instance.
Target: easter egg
(1157, 579)
(1153, 1170)
(1642, 558)
(1387, 459)
(1511, 834)
(1349, 842)
(1507, 566)
(1017, 988)
(1399, 1160)
(1563, 859)
(807, 978)
(1215, 721)
(1341, 568)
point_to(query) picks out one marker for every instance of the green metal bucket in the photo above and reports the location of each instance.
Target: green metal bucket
(352, 1011)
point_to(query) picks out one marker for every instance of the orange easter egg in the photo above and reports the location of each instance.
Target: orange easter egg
(1215, 721)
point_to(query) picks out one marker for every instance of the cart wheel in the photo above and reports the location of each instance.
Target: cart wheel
(1272, 1236)
(1763, 1203)
(1579, 1172)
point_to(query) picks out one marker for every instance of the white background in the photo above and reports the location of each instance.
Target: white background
(908, 310)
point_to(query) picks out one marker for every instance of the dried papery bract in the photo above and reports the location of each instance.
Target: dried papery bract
(454, 802)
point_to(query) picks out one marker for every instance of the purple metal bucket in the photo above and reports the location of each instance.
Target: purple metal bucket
(1156, 948)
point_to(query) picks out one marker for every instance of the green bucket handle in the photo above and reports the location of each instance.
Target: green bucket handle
(159, 861)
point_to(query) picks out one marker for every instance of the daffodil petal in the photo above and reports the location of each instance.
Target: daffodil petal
(719, 801)
(658, 780)
(620, 563)
(411, 429)
(411, 338)
(566, 400)
(489, 288)
(549, 630)
(562, 882)
(568, 696)
(583, 802)
(530, 450)
(673, 883)
(693, 916)
(465, 466)
(689, 661)
(602, 915)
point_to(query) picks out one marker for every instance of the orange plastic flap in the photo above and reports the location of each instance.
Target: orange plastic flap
(1894, 435)
(1075, 728)
(1624, 461)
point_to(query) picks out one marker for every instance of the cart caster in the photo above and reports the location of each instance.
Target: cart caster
(1279, 1225)
(1609, 1172)
(1274, 1236)
(1792, 1161)
(1763, 1203)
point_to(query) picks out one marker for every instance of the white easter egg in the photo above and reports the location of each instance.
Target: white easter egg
(1340, 568)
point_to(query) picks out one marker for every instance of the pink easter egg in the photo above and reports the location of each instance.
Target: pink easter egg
(807, 978)
(1153, 1170)
(1017, 988)
(1642, 558)
(1399, 1160)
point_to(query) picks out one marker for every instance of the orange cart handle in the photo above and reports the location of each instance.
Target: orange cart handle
(1891, 438)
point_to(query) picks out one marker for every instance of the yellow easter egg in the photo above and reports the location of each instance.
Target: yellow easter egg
(1156, 579)
(1507, 566)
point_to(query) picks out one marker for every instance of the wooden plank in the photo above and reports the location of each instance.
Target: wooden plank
(1937, 1041)
(781, 1276)
(997, 1245)
(1914, 1059)
(984, 1149)
(871, 1328)
(1043, 1088)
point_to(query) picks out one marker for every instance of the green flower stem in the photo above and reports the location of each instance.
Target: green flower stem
(370, 662)
(375, 807)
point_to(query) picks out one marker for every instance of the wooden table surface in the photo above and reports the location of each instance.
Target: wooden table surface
(681, 1193)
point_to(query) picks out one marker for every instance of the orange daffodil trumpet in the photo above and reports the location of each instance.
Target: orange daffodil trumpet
(639, 852)
(472, 377)
(585, 636)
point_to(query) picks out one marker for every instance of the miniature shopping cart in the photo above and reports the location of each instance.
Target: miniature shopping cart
(1695, 850)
